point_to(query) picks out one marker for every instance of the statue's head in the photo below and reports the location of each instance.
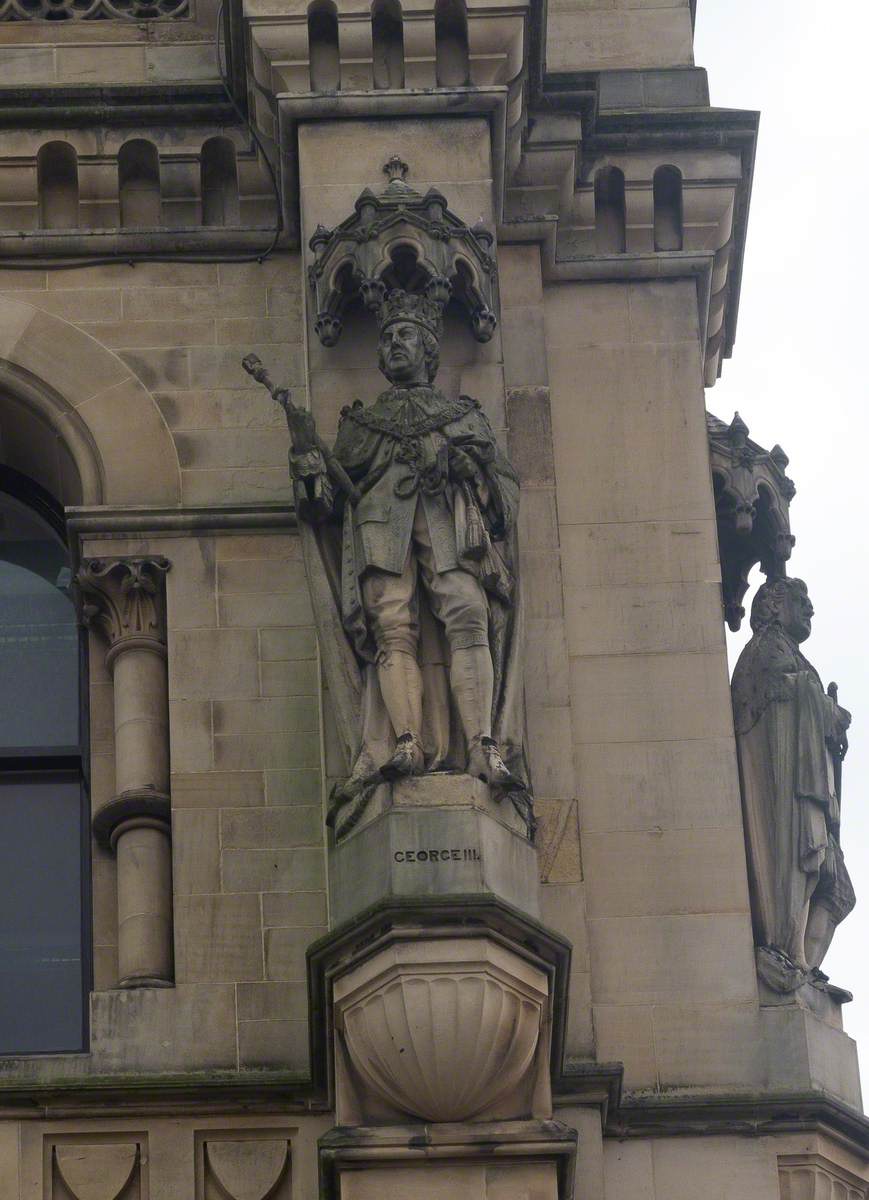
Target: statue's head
(410, 330)
(784, 602)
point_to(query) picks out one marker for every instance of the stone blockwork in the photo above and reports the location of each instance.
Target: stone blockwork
(672, 976)
(805, 1166)
(547, 690)
(271, 1157)
(580, 136)
(611, 34)
(178, 193)
(39, 53)
(178, 332)
(147, 359)
(247, 818)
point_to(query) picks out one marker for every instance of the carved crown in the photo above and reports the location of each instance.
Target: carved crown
(405, 306)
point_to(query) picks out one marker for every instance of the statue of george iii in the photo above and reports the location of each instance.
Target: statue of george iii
(791, 739)
(409, 534)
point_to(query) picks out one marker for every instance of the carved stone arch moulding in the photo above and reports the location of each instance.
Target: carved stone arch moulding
(107, 420)
(43, 436)
(402, 239)
(752, 500)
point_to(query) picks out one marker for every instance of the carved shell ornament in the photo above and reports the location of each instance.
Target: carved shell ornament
(444, 1041)
(401, 239)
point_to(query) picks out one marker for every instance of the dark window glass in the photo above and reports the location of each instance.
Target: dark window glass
(41, 992)
(39, 655)
(44, 872)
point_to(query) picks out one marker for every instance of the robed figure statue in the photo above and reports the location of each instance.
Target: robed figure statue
(791, 738)
(409, 536)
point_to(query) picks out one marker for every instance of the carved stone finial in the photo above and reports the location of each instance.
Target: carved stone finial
(125, 598)
(779, 457)
(738, 430)
(320, 238)
(395, 168)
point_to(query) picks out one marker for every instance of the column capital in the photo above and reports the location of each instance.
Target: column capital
(125, 599)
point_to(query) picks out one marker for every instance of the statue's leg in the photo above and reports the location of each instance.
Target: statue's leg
(390, 603)
(819, 933)
(434, 664)
(831, 902)
(459, 602)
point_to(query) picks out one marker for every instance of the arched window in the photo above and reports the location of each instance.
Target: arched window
(139, 183)
(609, 210)
(452, 67)
(219, 182)
(667, 193)
(44, 834)
(57, 185)
(387, 35)
(323, 56)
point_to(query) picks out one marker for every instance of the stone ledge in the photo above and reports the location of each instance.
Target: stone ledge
(492, 1141)
(107, 521)
(752, 1115)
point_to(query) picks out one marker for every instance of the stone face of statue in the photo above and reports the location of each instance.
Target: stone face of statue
(796, 614)
(402, 353)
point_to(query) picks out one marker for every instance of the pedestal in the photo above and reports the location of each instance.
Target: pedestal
(515, 1160)
(436, 835)
(439, 999)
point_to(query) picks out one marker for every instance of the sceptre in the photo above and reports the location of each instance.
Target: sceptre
(837, 752)
(254, 367)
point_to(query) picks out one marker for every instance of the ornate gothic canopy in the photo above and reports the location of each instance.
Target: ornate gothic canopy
(752, 496)
(402, 239)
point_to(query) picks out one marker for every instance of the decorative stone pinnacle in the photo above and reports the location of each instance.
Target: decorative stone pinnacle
(738, 430)
(125, 598)
(395, 168)
(779, 457)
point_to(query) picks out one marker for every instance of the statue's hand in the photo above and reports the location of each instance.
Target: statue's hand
(303, 431)
(462, 466)
(307, 465)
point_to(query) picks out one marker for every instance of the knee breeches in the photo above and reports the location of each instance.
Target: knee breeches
(456, 598)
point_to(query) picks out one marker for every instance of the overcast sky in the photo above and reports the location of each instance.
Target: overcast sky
(797, 374)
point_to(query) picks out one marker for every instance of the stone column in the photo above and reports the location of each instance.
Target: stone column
(125, 600)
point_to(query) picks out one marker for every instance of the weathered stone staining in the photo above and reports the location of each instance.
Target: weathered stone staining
(792, 737)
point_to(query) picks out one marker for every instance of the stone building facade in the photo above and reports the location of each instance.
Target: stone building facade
(164, 170)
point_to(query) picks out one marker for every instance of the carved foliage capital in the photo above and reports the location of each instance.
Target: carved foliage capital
(124, 598)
